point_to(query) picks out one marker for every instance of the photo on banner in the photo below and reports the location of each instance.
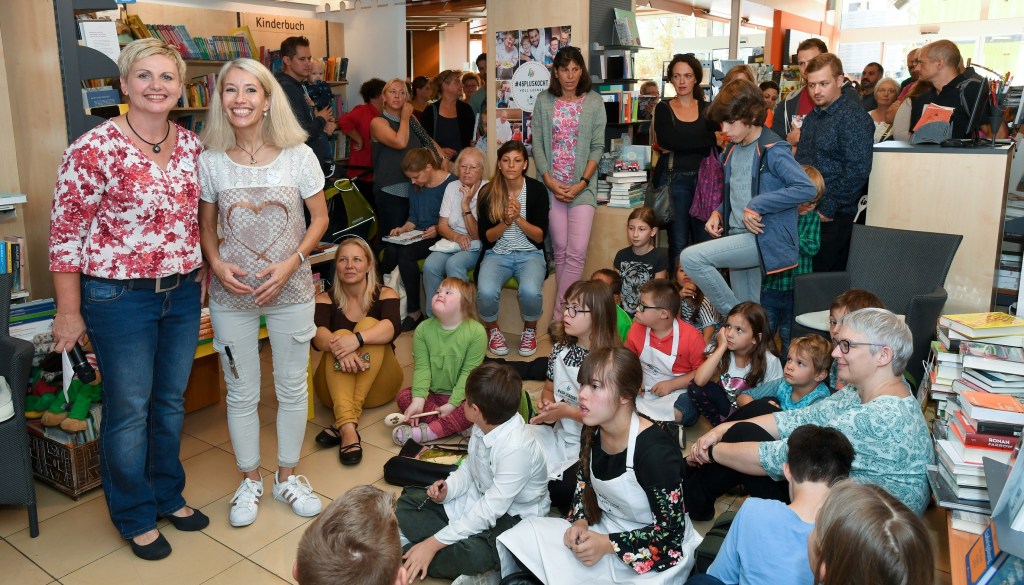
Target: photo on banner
(522, 69)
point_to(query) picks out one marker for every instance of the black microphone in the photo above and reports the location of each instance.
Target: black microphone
(83, 369)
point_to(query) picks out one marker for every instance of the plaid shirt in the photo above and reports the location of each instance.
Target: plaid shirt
(809, 229)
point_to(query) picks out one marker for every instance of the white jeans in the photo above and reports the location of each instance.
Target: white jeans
(237, 332)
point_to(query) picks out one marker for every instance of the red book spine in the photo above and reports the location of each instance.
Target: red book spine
(972, 438)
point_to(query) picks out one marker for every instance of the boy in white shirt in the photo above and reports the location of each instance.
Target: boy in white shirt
(449, 529)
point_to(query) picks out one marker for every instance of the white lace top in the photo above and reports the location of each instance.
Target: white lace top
(259, 210)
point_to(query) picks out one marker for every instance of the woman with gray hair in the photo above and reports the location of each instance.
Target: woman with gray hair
(876, 411)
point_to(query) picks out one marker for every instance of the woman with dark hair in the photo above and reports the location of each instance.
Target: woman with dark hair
(684, 136)
(512, 218)
(758, 214)
(448, 120)
(419, 95)
(568, 125)
(356, 125)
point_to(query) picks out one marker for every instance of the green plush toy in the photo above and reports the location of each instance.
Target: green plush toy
(70, 416)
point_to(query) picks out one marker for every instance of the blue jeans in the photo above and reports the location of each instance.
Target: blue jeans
(530, 270)
(704, 579)
(145, 343)
(441, 265)
(739, 254)
(687, 414)
(684, 229)
(779, 306)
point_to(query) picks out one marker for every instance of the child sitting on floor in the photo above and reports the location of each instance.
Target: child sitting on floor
(670, 351)
(852, 300)
(801, 385)
(450, 527)
(765, 544)
(641, 261)
(611, 277)
(696, 309)
(354, 541)
(445, 349)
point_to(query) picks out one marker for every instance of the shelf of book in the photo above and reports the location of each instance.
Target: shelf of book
(196, 109)
(204, 62)
(337, 83)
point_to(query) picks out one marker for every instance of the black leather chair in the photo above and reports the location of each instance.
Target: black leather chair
(17, 486)
(906, 269)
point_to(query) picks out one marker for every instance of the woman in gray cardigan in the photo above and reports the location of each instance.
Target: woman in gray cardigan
(568, 127)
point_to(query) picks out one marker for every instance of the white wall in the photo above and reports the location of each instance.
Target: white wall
(375, 42)
(455, 47)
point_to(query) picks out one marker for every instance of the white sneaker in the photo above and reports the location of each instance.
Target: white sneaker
(488, 578)
(246, 502)
(298, 493)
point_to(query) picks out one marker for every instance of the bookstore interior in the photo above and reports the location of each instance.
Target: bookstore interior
(933, 230)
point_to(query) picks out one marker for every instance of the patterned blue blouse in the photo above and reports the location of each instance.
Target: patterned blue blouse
(889, 436)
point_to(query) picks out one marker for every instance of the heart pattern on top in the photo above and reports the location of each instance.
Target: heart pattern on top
(250, 231)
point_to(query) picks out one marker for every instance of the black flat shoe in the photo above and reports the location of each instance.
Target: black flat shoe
(409, 323)
(197, 521)
(327, 438)
(352, 453)
(154, 551)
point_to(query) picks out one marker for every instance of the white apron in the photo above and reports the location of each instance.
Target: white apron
(537, 542)
(561, 441)
(658, 368)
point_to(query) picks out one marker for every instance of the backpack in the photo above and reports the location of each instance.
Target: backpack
(708, 549)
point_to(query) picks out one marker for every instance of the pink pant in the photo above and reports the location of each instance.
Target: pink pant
(442, 427)
(570, 235)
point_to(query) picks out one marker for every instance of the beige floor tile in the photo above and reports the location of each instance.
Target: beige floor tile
(275, 519)
(210, 424)
(379, 435)
(278, 557)
(49, 503)
(196, 558)
(246, 572)
(406, 376)
(20, 570)
(268, 444)
(210, 476)
(385, 486)
(330, 478)
(323, 417)
(58, 552)
(721, 505)
(403, 349)
(191, 446)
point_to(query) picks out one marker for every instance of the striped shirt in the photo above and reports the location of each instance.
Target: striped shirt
(514, 240)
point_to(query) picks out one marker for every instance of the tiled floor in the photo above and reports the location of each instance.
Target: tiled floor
(78, 545)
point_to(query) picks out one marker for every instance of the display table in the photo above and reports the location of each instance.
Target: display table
(946, 190)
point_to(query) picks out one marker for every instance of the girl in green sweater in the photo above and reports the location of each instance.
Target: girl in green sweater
(445, 349)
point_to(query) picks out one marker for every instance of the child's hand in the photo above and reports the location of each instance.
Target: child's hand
(752, 222)
(446, 409)
(415, 407)
(714, 225)
(720, 339)
(438, 491)
(591, 546)
(549, 414)
(418, 559)
(572, 534)
(662, 388)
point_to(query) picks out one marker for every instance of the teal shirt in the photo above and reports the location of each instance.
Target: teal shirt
(889, 436)
(782, 391)
(443, 359)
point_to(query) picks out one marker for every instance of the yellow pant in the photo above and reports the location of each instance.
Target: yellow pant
(348, 393)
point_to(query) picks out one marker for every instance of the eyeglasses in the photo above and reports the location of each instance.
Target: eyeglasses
(844, 345)
(642, 307)
(573, 310)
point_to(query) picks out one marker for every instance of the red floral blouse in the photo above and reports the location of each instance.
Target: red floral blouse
(117, 214)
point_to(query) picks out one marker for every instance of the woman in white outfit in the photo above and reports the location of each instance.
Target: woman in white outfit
(256, 175)
(628, 522)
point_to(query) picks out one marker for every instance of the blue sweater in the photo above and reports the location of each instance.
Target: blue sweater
(837, 141)
(766, 545)
(779, 185)
(425, 204)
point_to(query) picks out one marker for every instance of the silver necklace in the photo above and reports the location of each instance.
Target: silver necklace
(252, 155)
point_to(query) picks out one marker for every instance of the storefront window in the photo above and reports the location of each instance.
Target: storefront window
(883, 13)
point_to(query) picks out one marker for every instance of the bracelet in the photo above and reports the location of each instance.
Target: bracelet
(302, 257)
(359, 338)
(585, 180)
(467, 213)
(710, 456)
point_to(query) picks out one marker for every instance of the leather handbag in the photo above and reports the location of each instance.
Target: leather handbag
(405, 470)
(659, 199)
(707, 197)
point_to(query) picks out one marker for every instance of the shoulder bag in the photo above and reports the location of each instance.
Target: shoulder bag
(710, 186)
(659, 199)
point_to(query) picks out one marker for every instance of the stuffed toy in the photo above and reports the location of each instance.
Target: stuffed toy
(46, 399)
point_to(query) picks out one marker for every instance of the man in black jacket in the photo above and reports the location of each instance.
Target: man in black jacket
(297, 63)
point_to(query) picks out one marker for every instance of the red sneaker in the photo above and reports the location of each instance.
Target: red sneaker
(496, 342)
(528, 344)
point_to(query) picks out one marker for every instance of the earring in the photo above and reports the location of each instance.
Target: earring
(265, 113)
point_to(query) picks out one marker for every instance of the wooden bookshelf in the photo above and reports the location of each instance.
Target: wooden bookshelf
(337, 83)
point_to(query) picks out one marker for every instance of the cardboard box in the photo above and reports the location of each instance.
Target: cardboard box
(72, 469)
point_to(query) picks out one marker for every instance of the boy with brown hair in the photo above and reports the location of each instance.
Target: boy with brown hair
(670, 350)
(852, 300)
(449, 529)
(802, 382)
(354, 541)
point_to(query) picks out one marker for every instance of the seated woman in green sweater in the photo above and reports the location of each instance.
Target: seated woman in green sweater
(445, 349)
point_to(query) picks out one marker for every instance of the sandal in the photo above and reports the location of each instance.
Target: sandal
(352, 453)
(329, 437)
(403, 433)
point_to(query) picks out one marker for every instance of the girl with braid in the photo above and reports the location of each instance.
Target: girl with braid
(627, 523)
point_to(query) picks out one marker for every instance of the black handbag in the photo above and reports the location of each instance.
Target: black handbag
(405, 470)
(659, 199)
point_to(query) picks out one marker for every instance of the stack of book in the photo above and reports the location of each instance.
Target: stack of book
(196, 93)
(29, 319)
(12, 259)
(215, 48)
(627, 188)
(335, 68)
(621, 106)
(943, 367)
(1008, 275)
(205, 325)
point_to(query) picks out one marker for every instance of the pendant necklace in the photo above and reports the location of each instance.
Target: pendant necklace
(252, 155)
(155, 145)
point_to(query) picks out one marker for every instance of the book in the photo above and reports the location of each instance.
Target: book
(964, 492)
(993, 407)
(975, 325)
(934, 113)
(947, 498)
(998, 358)
(1007, 569)
(987, 427)
(404, 239)
(981, 556)
(955, 464)
(968, 521)
(995, 381)
(630, 18)
(972, 438)
(974, 454)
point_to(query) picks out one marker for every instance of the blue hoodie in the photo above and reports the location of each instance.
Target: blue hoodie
(779, 185)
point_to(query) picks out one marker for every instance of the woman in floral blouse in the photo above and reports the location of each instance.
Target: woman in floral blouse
(627, 523)
(568, 125)
(257, 175)
(124, 253)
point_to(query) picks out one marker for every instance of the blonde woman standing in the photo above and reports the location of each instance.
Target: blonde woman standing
(256, 175)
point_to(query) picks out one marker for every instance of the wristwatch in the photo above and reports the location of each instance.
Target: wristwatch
(711, 457)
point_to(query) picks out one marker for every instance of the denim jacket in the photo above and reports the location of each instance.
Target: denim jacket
(779, 186)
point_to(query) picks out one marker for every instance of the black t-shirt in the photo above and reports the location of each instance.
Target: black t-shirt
(657, 461)
(689, 141)
(950, 96)
(637, 271)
